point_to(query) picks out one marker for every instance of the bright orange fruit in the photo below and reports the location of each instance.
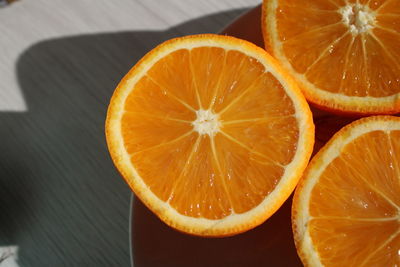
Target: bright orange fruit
(346, 209)
(210, 133)
(343, 54)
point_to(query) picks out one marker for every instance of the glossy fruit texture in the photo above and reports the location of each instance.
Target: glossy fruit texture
(210, 133)
(343, 54)
(346, 207)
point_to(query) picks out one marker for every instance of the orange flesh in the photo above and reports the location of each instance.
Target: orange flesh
(355, 204)
(201, 175)
(320, 46)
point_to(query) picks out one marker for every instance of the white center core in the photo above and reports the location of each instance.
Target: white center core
(206, 122)
(359, 18)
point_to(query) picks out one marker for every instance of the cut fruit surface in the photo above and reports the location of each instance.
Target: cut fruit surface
(346, 209)
(210, 133)
(343, 54)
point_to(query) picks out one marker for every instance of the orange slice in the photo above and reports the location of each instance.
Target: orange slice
(343, 54)
(346, 209)
(210, 134)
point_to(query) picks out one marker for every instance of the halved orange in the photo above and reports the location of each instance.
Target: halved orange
(210, 133)
(343, 53)
(346, 209)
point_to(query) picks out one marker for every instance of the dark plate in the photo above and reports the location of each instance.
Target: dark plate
(153, 243)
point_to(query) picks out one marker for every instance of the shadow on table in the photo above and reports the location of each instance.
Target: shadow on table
(62, 202)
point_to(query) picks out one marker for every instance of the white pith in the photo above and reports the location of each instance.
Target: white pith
(206, 122)
(358, 18)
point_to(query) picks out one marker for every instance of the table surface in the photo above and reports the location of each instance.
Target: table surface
(62, 202)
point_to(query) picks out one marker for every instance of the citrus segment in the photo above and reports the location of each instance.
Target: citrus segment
(357, 198)
(307, 49)
(346, 210)
(325, 71)
(210, 134)
(389, 7)
(273, 138)
(199, 190)
(250, 176)
(240, 75)
(353, 240)
(386, 254)
(159, 165)
(203, 63)
(164, 104)
(342, 53)
(180, 87)
(142, 132)
(289, 11)
(264, 98)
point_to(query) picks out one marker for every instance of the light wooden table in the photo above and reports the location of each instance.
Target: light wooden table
(62, 202)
